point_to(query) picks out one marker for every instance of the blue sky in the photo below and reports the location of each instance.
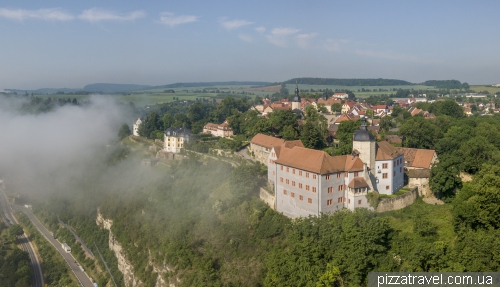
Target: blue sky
(73, 43)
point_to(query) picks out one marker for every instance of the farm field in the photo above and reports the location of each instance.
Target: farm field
(490, 89)
(153, 96)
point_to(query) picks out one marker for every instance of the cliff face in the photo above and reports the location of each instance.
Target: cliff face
(125, 266)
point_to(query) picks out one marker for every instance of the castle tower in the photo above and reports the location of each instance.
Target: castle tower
(296, 99)
(364, 143)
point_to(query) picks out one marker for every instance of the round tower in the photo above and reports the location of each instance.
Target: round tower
(364, 143)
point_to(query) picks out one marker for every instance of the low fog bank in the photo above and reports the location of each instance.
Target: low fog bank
(53, 148)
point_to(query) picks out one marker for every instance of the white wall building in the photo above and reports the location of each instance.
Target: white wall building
(175, 138)
(135, 127)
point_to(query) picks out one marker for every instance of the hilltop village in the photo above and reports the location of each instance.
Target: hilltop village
(305, 181)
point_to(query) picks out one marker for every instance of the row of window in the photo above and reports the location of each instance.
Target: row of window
(299, 171)
(386, 175)
(329, 202)
(307, 187)
(301, 197)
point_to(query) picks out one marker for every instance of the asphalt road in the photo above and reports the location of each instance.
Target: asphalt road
(24, 241)
(70, 260)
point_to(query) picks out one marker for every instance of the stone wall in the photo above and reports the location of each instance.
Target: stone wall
(268, 198)
(402, 201)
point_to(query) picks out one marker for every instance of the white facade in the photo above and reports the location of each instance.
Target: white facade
(390, 175)
(175, 138)
(135, 127)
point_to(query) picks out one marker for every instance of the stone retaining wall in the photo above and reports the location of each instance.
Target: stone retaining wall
(268, 198)
(402, 201)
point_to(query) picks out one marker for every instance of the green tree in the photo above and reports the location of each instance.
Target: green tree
(281, 118)
(345, 134)
(418, 132)
(476, 205)
(289, 133)
(337, 108)
(331, 277)
(444, 177)
(16, 230)
(124, 131)
(311, 136)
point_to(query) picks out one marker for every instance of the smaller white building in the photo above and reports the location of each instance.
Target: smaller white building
(135, 127)
(223, 130)
(175, 138)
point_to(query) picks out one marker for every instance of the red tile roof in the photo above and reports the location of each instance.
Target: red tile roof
(385, 151)
(418, 158)
(318, 161)
(266, 141)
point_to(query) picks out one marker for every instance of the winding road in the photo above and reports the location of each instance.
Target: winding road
(23, 240)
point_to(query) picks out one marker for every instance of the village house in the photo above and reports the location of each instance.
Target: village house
(347, 106)
(418, 163)
(340, 95)
(261, 145)
(309, 182)
(175, 138)
(223, 130)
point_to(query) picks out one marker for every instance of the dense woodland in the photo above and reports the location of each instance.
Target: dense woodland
(348, 82)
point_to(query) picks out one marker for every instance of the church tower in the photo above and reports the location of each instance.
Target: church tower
(296, 99)
(364, 143)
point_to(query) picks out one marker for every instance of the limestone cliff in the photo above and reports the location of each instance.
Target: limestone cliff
(123, 264)
(126, 267)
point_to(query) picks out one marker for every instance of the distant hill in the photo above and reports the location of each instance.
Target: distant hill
(348, 82)
(444, 84)
(44, 91)
(211, 84)
(114, 88)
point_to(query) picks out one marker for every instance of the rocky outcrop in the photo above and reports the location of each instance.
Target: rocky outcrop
(124, 265)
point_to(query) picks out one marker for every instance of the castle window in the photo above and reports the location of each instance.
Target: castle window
(330, 189)
(293, 170)
(301, 197)
(292, 194)
(384, 165)
(327, 177)
(300, 185)
(281, 179)
(281, 167)
(284, 191)
(341, 187)
(394, 173)
(400, 169)
(307, 174)
(356, 174)
(384, 175)
(339, 175)
(314, 176)
(329, 202)
(287, 169)
(346, 174)
(387, 187)
(307, 187)
(287, 181)
(359, 202)
(314, 189)
(300, 172)
(309, 200)
(293, 183)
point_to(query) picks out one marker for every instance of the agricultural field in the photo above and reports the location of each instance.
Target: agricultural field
(489, 88)
(386, 90)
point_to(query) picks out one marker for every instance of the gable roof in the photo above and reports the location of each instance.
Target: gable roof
(318, 161)
(358, 182)
(385, 151)
(419, 158)
(266, 141)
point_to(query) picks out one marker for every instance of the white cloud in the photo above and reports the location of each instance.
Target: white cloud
(96, 15)
(54, 14)
(245, 38)
(332, 45)
(171, 20)
(260, 29)
(233, 24)
(279, 36)
(304, 39)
